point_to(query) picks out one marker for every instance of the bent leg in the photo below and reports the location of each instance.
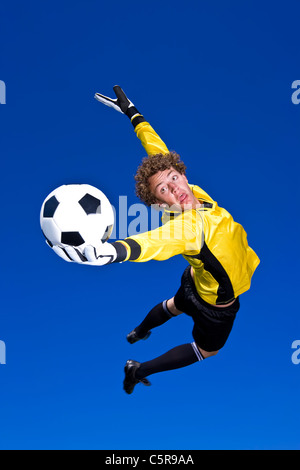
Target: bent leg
(159, 315)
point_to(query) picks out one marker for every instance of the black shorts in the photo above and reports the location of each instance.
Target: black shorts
(212, 325)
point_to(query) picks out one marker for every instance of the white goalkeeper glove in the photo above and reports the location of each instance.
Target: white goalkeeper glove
(121, 104)
(105, 253)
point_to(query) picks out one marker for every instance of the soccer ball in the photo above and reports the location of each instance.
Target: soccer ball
(76, 215)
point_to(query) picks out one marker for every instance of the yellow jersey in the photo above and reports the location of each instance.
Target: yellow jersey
(207, 237)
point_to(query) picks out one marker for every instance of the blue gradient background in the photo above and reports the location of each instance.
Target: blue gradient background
(214, 79)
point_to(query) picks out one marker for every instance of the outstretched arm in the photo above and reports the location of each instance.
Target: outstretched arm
(183, 235)
(150, 140)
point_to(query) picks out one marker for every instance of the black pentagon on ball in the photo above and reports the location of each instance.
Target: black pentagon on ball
(50, 207)
(90, 204)
(72, 238)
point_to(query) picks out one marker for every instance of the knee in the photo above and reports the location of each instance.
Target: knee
(172, 308)
(207, 354)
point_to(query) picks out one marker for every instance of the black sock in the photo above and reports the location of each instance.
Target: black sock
(181, 356)
(156, 317)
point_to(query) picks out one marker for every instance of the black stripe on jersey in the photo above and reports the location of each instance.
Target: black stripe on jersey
(135, 248)
(121, 252)
(207, 205)
(214, 267)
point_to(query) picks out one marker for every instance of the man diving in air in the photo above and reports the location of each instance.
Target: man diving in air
(221, 263)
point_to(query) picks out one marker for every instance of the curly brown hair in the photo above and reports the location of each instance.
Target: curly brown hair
(150, 166)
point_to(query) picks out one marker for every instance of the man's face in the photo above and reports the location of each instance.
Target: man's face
(171, 188)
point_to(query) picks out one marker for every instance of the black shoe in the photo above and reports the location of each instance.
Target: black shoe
(132, 337)
(130, 381)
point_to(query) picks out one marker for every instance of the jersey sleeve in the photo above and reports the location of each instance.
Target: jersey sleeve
(150, 140)
(183, 235)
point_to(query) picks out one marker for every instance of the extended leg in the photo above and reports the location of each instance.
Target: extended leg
(180, 356)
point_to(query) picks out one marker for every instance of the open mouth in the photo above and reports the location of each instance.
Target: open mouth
(182, 197)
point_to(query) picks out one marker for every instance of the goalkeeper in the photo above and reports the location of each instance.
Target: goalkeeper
(221, 263)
